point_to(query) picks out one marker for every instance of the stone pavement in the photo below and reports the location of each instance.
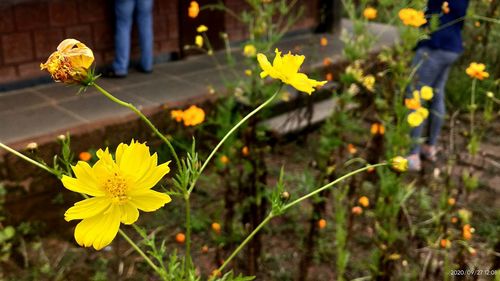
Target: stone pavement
(45, 111)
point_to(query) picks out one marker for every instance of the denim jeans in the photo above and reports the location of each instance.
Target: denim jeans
(124, 13)
(433, 69)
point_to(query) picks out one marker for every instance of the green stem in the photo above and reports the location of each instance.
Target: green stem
(143, 117)
(328, 185)
(187, 264)
(472, 106)
(193, 183)
(287, 206)
(138, 250)
(26, 158)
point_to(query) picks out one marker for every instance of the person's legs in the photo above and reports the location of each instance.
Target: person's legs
(145, 27)
(437, 105)
(124, 10)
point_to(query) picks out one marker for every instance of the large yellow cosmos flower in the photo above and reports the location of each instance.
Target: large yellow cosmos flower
(119, 188)
(477, 71)
(70, 63)
(412, 17)
(286, 69)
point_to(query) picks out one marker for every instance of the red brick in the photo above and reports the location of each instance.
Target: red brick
(83, 33)
(161, 29)
(30, 70)
(17, 47)
(103, 35)
(62, 13)
(46, 42)
(32, 15)
(8, 74)
(94, 10)
(7, 19)
(173, 28)
(169, 46)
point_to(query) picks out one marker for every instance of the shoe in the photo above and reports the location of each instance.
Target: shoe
(429, 152)
(110, 73)
(145, 71)
(414, 163)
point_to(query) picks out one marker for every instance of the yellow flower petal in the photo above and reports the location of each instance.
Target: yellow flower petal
(87, 208)
(129, 213)
(85, 181)
(100, 230)
(149, 200)
(426, 93)
(415, 119)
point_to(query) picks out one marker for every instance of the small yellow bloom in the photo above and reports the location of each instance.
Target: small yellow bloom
(193, 9)
(323, 41)
(451, 201)
(412, 17)
(364, 201)
(198, 41)
(248, 72)
(193, 116)
(415, 119)
(399, 164)
(120, 187)
(70, 63)
(370, 13)
(369, 82)
(285, 68)
(224, 159)
(216, 227)
(423, 112)
(249, 50)
(177, 115)
(377, 129)
(477, 71)
(426, 93)
(202, 28)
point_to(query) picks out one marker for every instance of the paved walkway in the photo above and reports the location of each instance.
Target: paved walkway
(48, 110)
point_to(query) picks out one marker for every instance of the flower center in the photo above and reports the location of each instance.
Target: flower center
(116, 187)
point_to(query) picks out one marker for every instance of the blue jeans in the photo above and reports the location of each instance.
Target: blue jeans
(433, 69)
(124, 12)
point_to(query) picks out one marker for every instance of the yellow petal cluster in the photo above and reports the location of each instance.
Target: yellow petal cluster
(198, 41)
(118, 187)
(286, 69)
(70, 63)
(370, 13)
(191, 116)
(419, 113)
(412, 17)
(249, 50)
(193, 9)
(369, 82)
(399, 164)
(477, 71)
(202, 28)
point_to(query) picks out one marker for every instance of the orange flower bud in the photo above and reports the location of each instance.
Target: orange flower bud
(445, 243)
(329, 76)
(364, 201)
(466, 232)
(351, 148)
(357, 210)
(224, 159)
(451, 201)
(216, 227)
(245, 151)
(323, 41)
(322, 223)
(194, 9)
(85, 156)
(204, 249)
(180, 238)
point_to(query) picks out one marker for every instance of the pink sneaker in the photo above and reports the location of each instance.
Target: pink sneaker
(414, 163)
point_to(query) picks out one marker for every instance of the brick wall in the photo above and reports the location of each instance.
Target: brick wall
(30, 30)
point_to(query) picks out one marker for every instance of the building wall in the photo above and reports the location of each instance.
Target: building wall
(30, 30)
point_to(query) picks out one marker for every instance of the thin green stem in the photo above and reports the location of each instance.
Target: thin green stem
(228, 134)
(187, 264)
(143, 117)
(291, 204)
(328, 185)
(472, 106)
(496, 21)
(245, 242)
(138, 250)
(26, 158)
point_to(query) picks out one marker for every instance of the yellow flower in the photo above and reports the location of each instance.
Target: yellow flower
(415, 119)
(412, 17)
(364, 201)
(249, 50)
(194, 9)
(370, 13)
(426, 93)
(286, 69)
(248, 72)
(423, 112)
(323, 41)
(399, 164)
(476, 70)
(216, 227)
(119, 188)
(377, 129)
(70, 63)
(202, 28)
(369, 82)
(193, 116)
(198, 41)
(177, 115)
